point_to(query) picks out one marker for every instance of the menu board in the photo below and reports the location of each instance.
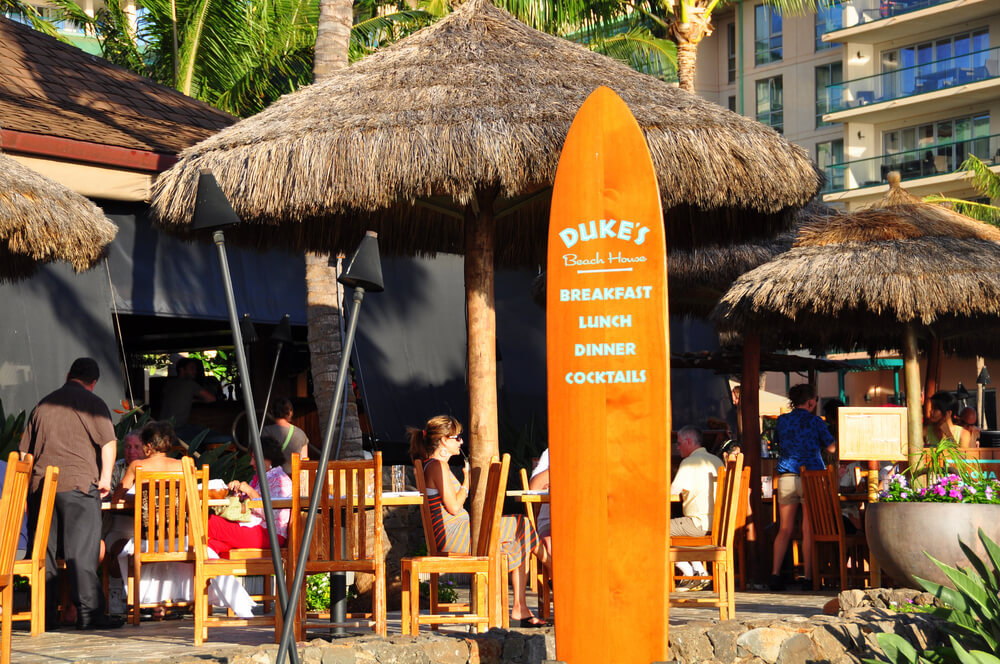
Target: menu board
(608, 396)
(872, 433)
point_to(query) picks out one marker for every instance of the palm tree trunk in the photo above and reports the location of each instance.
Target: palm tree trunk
(484, 434)
(687, 57)
(323, 320)
(323, 313)
(333, 37)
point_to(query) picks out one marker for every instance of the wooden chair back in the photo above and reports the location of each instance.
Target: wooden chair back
(166, 527)
(350, 506)
(12, 503)
(820, 500)
(33, 567)
(496, 490)
(425, 508)
(196, 498)
(730, 478)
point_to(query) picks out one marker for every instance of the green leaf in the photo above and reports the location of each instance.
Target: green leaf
(897, 649)
(973, 657)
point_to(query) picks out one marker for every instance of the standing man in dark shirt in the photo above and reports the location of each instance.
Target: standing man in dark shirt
(71, 428)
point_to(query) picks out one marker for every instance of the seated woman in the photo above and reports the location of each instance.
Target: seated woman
(157, 438)
(434, 445)
(941, 426)
(224, 535)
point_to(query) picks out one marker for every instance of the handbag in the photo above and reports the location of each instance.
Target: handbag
(234, 510)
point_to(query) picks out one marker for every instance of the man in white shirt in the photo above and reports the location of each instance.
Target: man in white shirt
(695, 483)
(540, 482)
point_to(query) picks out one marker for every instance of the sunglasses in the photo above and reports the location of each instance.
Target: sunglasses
(458, 437)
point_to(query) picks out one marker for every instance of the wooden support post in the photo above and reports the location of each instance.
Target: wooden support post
(480, 310)
(750, 417)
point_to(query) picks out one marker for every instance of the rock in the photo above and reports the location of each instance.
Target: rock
(723, 638)
(763, 642)
(484, 650)
(311, 655)
(797, 649)
(689, 645)
(449, 651)
(394, 653)
(832, 607)
(338, 654)
(513, 647)
(850, 599)
(536, 648)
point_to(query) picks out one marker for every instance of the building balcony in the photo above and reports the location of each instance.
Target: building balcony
(934, 85)
(938, 159)
(868, 21)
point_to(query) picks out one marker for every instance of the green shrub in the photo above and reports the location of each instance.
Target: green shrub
(447, 593)
(11, 428)
(972, 613)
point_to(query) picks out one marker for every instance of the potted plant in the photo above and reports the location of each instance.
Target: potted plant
(944, 501)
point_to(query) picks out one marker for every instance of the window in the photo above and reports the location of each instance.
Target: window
(732, 103)
(767, 35)
(827, 98)
(937, 64)
(830, 159)
(828, 19)
(770, 104)
(936, 147)
(731, 52)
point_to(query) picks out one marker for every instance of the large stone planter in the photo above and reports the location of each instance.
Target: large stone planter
(900, 533)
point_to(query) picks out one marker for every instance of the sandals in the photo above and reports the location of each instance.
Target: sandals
(531, 622)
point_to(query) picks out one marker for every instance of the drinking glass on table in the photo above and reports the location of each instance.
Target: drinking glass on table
(398, 478)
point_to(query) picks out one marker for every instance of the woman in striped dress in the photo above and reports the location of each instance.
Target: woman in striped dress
(434, 445)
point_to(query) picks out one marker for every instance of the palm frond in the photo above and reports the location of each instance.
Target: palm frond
(985, 181)
(370, 34)
(642, 51)
(31, 15)
(984, 212)
(800, 7)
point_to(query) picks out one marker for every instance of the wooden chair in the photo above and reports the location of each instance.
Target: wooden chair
(436, 607)
(352, 501)
(488, 605)
(206, 569)
(538, 575)
(720, 552)
(33, 567)
(822, 503)
(164, 536)
(739, 539)
(12, 502)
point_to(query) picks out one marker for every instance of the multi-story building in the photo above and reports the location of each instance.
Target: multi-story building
(868, 87)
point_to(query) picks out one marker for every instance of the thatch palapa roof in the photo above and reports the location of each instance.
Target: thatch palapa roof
(477, 103)
(42, 221)
(858, 279)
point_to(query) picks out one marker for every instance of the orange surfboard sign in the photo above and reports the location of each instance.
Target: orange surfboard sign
(608, 392)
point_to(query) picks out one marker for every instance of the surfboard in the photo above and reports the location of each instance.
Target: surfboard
(608, 392)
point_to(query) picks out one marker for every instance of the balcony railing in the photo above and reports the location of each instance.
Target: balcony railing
(915, 80)
(936, 159)
(859, 12)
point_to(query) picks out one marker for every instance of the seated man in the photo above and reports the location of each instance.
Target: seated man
(695, 483)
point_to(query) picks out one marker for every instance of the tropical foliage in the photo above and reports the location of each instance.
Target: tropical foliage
(11, 428)
(972, 613)
(943, 475)
(238, 56)
(986, 183)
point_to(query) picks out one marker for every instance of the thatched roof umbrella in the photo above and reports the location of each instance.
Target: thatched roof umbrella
(873, 279)
(42, 221)
(449, 141)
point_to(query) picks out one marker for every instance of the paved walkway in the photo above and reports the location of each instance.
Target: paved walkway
(173, 638)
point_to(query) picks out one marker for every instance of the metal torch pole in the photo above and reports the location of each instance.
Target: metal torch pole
(318, 485)
(258, 455)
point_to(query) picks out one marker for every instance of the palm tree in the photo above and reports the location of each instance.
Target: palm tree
(986, 183)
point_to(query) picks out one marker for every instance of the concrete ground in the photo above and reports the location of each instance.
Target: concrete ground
(153, 641)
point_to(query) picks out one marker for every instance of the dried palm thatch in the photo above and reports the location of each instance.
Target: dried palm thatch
(42, 221)
(858, 280)
(478, 105)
